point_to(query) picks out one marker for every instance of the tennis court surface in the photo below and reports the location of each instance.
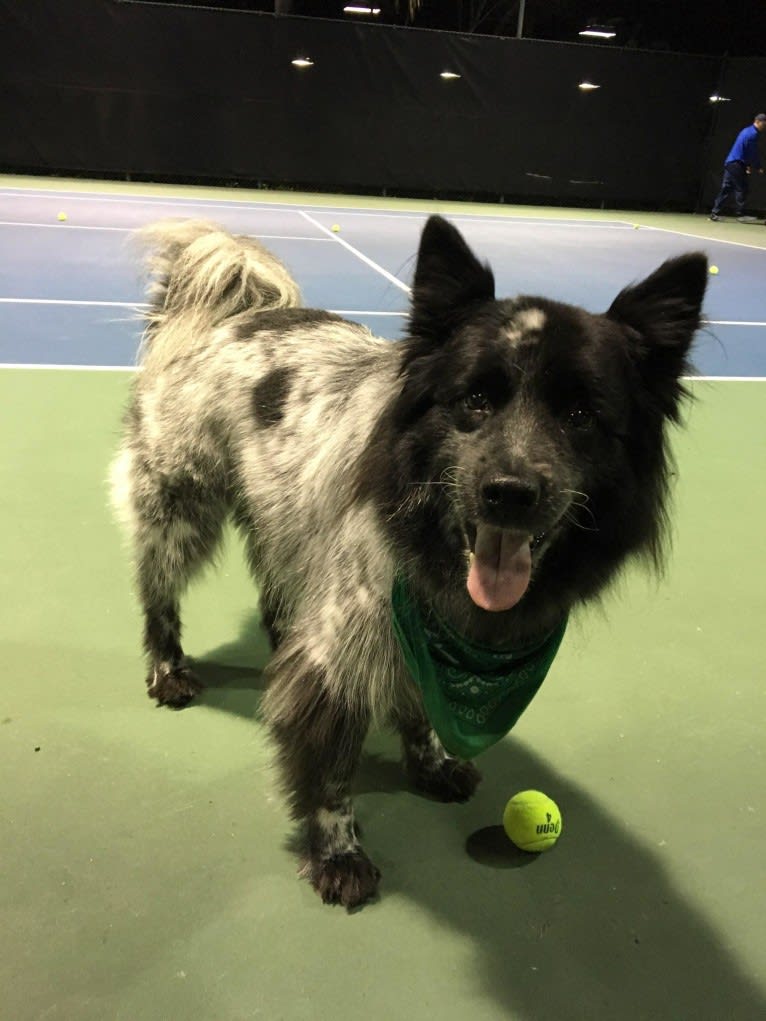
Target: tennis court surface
(144, 851)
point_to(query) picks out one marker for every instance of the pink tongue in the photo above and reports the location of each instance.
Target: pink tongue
(500, 570)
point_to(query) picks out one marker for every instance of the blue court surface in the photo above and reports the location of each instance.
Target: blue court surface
(70, 290)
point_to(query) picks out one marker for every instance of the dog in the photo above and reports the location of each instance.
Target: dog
(420, 516)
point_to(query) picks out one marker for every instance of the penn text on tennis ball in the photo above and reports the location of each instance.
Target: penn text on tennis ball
(714, 270)
(62, 216)
(335, 228)
(532, 821)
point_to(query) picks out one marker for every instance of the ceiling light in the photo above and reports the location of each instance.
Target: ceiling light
(720, 99)
(596, 32)
(302, 62)
(448, 75)
(353, 9)
(588, 86)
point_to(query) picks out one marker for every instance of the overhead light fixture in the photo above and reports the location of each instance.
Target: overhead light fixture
(596, 32)
(449, 75)
(720, 99)
(353, 9)
(588, 86)
(302, 62)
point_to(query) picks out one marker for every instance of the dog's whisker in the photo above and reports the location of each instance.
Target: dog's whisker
(576, 492)
(446, 480)
(572, 519)
(583, 528)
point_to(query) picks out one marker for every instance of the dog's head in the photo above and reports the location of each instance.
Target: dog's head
(529, 435)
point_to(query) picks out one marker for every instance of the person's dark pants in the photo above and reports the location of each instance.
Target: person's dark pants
(734, 180)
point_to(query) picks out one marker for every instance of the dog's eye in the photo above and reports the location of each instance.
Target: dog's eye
(581, 418)
(477, 403)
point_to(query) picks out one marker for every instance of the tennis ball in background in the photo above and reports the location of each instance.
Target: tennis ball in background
(714, 270)
(62, 216)
(335, 228)
(532, 820)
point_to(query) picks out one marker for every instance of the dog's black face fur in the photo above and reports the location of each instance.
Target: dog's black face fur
(535, 421)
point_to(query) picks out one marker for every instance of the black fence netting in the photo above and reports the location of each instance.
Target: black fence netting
(99, 86)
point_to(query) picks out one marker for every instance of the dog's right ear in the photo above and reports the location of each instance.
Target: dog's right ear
(448, 279)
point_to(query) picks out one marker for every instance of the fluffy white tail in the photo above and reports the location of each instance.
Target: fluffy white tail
(201, 275)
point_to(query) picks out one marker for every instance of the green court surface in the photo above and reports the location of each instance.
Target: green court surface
(145, 870)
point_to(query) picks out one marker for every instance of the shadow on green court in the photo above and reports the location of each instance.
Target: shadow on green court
(233, 673)
(594, 929)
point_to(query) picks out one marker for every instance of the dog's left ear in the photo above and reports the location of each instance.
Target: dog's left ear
(448, 279)
(664, 312)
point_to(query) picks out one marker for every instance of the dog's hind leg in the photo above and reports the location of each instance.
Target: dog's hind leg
(176, 524)
(268, 599)
(319, 742)
(430, 768)
(168, 557)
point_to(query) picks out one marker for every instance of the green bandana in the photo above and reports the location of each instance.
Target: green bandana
(473, 696)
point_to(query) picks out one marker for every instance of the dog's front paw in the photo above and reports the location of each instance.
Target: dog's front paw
(348, 879)
(451, 780)
(174, 686)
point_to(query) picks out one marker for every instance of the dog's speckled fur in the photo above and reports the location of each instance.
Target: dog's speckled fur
(345, 459)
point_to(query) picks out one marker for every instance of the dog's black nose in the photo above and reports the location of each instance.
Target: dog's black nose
(505, 496)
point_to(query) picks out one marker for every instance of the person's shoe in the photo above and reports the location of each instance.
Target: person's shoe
(747, 219)
(714, 216)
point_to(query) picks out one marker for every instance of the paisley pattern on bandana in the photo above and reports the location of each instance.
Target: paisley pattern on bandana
(473, 695)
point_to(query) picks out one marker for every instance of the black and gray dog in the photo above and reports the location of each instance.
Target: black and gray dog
(489, 472)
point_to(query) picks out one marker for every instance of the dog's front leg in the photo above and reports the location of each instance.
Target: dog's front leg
(430, 768)
(319, 741)
(335, 863)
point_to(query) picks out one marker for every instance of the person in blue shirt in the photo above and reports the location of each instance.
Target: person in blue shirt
(744, 157)
(740, 163)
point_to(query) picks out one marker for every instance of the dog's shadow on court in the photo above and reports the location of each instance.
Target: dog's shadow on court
(598, 928)
(232, 674)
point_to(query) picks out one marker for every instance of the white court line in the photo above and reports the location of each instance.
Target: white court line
(81, 226)
(137, 305)
(152, 200)
(346, 210)
(133, 368)
(85, 369)
(72, 301)
(704, 237)
(277, 207)
(59, 226)
(481, 218)
(729, 322)
(339, 210)
(335, 311)
(357, 312)
(355, 251)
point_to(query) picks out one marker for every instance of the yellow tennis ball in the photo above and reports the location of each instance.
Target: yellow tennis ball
(532, 820)
(714, 270)
(636, 226)
(62, 216)
(335, 228)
